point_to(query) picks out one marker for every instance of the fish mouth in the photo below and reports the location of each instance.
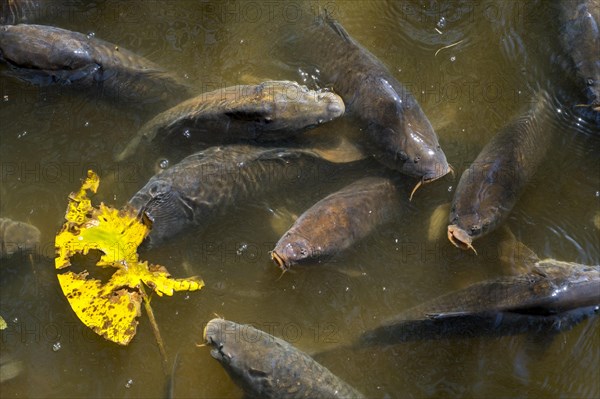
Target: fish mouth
(279, 261)
(459, 238)
(217, 347)
(426, 179)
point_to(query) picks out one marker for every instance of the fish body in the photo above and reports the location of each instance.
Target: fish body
(272, 110)
(17, 236)
(266, 367)
(205, 184)
(46, 55)
(338, 221)
(490, 187)
(553, 295)
(580, 37)
(401, 135)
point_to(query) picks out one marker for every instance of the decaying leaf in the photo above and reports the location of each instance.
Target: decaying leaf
(110, 309)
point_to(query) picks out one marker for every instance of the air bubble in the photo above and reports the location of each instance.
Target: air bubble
(163, 164)
(56, 347)
(441, 23)
(129, 383)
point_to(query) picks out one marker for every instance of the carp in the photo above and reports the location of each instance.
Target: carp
(206, 184)
(272, 110)
(338, 221)
(45, 55)
(402, 137)
(550, 296)
(17, 236)
(490, 187)
(266, 367)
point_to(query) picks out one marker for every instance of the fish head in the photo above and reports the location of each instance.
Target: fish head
(291, 250)
(167, 209)
(296, 107)
(20, 236)
(402, 129)
(463, 230)
(44, 47)
(424, 157)
(242, 350)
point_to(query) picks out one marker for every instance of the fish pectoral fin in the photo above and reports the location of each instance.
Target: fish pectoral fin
(515, 255)
(344, 151)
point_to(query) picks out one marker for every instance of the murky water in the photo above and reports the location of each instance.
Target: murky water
(50, 137)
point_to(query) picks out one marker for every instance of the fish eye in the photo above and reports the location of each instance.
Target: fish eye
(417, 159)
(474, 229)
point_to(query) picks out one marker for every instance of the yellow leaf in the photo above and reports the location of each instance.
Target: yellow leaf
(111, 310)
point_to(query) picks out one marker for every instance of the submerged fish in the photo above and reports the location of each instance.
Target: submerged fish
(580, 37)
(17, 11)
(271, 110)
(265, 366)
(338, 221)
(553, 296)
(17, 236)
(490, 187)
(204, 185)
(402, 137)
(46, 55)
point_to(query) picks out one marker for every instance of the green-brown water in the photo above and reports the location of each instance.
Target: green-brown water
(50, 137)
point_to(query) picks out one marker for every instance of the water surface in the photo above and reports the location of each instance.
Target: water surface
(51, 136)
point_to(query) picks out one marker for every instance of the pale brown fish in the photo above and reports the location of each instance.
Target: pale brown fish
(272, 110)
(338, 221)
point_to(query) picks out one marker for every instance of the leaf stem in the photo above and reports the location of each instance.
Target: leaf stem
(155, 330)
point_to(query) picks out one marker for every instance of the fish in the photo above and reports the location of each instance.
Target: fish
(580, 38)
(490, 187)
(338, 221)
(17, 11)
(553, 297)
(272, 110)
(206, 184)
(16, 237)
(46, 55)
(400, 134)
(264, 366)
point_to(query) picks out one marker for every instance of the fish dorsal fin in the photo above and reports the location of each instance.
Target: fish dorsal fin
(337, 28)
(515, 255)
(345, 151)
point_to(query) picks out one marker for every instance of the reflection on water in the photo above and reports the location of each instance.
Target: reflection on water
(50, 137)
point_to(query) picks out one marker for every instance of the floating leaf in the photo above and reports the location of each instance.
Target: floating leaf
(110, 309)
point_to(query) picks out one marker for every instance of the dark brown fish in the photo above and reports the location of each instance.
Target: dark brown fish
(266, 367)
(580, 37)
(554, 292)
(17, 236)
(46, 55)
(206, 184)
(402, 136)
(338, 221)
(272, 110)
(490, 187)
